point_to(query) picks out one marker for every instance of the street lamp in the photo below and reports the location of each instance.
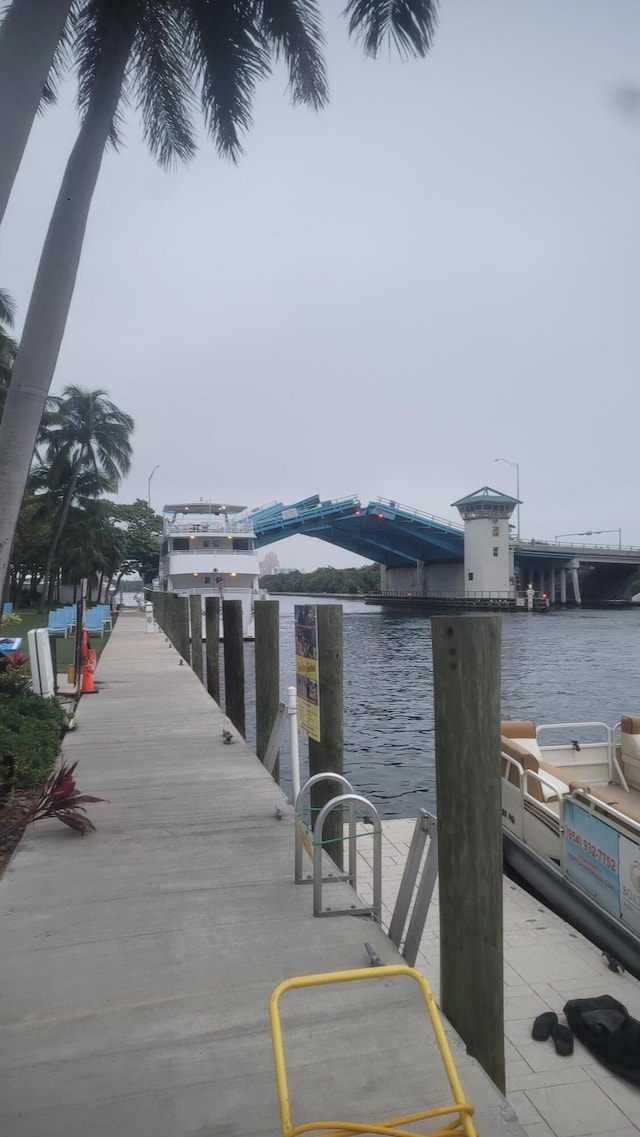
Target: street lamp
(149, 483)
(516, 467)
(592, 533)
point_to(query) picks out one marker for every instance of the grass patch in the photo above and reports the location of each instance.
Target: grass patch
(65, 648)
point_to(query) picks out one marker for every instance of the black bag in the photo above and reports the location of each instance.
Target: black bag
(606, 1028)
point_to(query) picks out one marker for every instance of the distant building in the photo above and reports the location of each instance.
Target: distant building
(269, 564)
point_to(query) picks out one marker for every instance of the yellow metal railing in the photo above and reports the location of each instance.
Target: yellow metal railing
(392, 1127)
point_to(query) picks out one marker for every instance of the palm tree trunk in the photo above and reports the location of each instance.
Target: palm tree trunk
(55, 540)
(53, 289)
(29, 35)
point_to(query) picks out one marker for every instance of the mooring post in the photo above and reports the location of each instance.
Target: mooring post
(212, 636)
(466, 672)
(233, 663)
(266, 615)
(327, 755)
(181, 614)
(195, 618)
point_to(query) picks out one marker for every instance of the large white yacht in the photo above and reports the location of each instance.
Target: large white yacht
(208, 549)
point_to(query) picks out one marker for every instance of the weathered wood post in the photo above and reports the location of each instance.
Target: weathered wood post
(212, 636)
(466, 667)
(181, 626)
(195, 617)
(233, 663)
(267, 624)
(327, 755)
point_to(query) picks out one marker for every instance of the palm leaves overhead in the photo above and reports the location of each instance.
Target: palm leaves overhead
(8, 346)
(409, 24)
(165, 57)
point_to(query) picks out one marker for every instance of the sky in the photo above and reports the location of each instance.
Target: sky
(440, 269)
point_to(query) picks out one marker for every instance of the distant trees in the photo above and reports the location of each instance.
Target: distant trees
(327, 581)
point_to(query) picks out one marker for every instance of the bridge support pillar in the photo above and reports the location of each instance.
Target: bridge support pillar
(576, 583)
(421, 583)
(552, 589)
(563, 586)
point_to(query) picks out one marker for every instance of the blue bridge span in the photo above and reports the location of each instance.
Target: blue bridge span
(423, 553)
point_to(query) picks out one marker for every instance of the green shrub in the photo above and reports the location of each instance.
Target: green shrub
(31, 730)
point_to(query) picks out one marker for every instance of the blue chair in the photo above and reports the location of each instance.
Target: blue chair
(106, 615)
(93, 622)
(7, 608)
(58, 623)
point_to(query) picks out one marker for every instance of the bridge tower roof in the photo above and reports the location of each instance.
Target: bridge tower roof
(485, 502)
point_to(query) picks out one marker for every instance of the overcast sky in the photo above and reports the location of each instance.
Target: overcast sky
(440, 269)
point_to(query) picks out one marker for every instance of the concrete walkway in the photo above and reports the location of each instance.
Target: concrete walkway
(136, 964)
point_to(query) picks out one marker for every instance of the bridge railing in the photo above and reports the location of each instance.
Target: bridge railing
(418, 513)
(572, 546)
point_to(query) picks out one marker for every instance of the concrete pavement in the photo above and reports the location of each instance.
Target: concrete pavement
(137, 963)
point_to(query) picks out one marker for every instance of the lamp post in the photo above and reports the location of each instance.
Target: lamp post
(149, 483)
(516, 467)
(592, 533)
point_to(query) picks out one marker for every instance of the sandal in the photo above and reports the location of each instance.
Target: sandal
(562, 1040)
(544, 1026)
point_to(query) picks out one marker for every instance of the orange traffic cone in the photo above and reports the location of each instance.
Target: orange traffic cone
(88, 686)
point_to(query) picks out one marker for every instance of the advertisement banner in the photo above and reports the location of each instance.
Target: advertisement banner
(307, 685)
(591, 855)
(630, 883)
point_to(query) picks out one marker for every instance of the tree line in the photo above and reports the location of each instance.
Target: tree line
(168, 58)
(329, 581)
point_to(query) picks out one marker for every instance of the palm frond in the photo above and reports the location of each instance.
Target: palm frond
(228, 53)
(96, 24)
(7, 309)
(294, 27)
(409, 24)
(162, 84)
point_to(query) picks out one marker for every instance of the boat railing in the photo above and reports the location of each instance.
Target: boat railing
(621, 821)
(223, 551)
(522, 789)
(608, 742)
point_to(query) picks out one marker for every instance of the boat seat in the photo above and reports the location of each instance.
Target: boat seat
(516, 749)
(518, 728)
(611, 795)
(630, 749)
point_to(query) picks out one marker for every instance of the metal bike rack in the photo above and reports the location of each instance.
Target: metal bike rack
(426, 826)
(302, 838)
(459, 1108)
(374, 909)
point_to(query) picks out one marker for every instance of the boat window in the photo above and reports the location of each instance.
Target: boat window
(470, 575)
(240, 543)
(180, 544)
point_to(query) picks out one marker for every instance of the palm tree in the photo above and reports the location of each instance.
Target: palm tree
(30, 35)
(88, 437)
(163, 53)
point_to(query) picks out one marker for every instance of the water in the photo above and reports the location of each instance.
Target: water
(563, 666)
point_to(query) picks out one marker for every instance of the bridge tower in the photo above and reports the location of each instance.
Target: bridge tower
(488, 555)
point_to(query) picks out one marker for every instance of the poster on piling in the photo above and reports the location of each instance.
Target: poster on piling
(591, 855)
(307, 685)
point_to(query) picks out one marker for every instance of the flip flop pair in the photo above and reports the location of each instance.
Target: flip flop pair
(547, 1026)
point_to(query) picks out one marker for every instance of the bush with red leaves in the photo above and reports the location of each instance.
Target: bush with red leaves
(58, 797)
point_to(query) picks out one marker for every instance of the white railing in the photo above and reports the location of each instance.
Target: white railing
(222, 551)
(224, 526)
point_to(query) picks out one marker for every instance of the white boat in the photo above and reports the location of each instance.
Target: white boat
(209, 550)
(571, 824)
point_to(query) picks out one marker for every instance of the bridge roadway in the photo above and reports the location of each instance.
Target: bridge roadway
(398, 535)
(136, 964)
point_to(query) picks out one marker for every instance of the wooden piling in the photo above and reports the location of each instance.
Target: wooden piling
(195, 618)
(267, 669)
(466, 666)
(212, 636)
(327, 755)
(234, 664)
(181, 626)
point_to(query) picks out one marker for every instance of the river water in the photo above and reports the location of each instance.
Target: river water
(562, 666)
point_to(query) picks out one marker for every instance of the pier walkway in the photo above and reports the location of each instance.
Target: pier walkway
(136, 964)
